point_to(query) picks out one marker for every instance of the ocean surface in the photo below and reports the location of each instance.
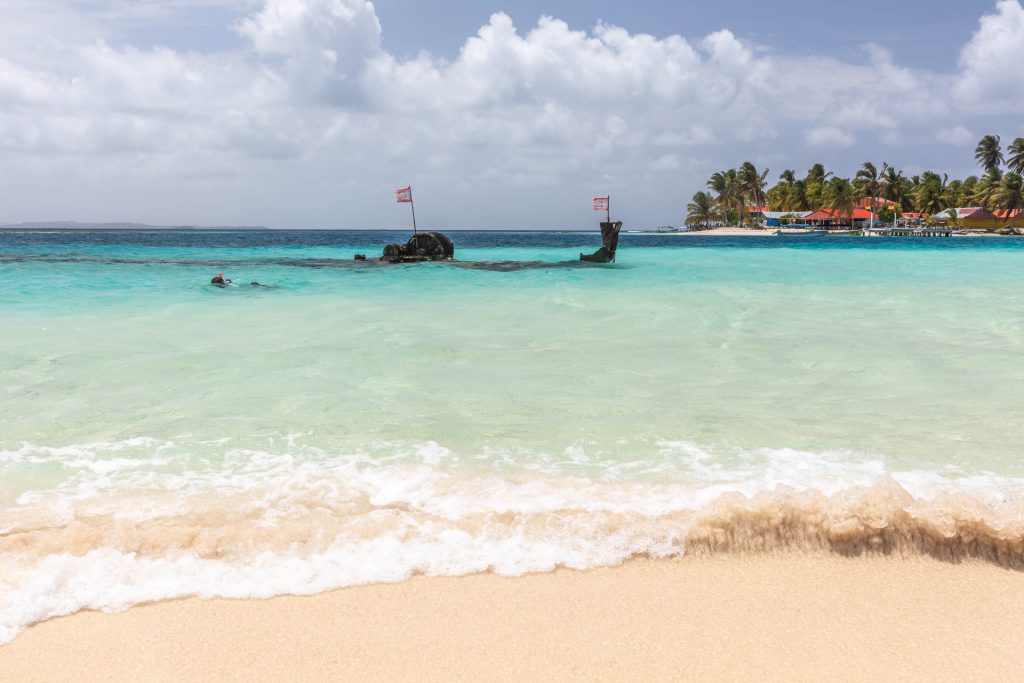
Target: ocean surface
(359, 423)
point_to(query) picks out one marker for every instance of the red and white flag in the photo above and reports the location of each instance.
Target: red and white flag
(600, 203)
(404, 195)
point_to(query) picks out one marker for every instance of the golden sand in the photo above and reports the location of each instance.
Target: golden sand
(727, 618)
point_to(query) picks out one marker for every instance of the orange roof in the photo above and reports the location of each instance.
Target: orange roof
(829, 214)
(1011, 213)
(866, 202)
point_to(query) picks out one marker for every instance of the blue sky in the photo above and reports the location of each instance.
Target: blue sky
(307, 113)
(925, 33)
(918, 32)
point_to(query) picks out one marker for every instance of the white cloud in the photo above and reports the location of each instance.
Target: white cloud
(992, 77)
(829, 137)
(668, 162)
(313, 103)
(22, 86)
(957, 136)
(326, 43)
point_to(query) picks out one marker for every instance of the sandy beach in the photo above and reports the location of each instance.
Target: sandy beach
(770, 232)
(781, 618)
(728, 231)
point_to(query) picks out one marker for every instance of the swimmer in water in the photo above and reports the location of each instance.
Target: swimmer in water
(220, 281)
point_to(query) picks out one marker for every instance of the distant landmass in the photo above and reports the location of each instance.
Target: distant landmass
(76, 225)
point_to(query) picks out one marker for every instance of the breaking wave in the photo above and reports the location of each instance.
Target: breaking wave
(118, 524)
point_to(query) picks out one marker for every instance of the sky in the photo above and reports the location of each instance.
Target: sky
(309, 113)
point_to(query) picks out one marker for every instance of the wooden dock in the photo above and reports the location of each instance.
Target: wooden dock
(910, 232)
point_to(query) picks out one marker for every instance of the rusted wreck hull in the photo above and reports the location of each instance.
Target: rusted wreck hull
(610, 242)
(424, 246)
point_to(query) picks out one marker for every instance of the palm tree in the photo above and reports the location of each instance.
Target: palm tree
(841, 197)
(1015, 162)
(968, 189)
(789, 194)
(987, 187)
(730, 199)
(952, 195)
(868, 181)
(814, 185)
(718, 183)
(1009, 197)
(701, 210)
(988, 153)
(929, 194)
(817, 173)
(780, 194)
(894, 185)
(752, 183)
(800, 201)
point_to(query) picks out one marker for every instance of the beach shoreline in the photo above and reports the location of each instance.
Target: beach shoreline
(729, 617)
(733, 231)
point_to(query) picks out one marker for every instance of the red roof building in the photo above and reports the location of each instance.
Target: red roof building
(878, 202)
(967, 213)
(832, 215)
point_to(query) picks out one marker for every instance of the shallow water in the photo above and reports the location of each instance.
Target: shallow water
(362, 423)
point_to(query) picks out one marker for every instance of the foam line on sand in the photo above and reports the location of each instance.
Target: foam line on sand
(791, 617)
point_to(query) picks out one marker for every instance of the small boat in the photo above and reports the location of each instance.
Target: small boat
(666, 228)
(800, 233)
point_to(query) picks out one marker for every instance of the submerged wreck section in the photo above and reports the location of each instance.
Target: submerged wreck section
(424, 246)
(435, 246)
(610, 242)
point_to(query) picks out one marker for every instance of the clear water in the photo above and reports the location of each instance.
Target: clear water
(358, 422)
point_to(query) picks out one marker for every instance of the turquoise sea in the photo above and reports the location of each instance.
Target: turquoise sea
(363, 423)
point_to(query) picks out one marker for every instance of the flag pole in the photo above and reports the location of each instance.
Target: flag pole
(413, 205)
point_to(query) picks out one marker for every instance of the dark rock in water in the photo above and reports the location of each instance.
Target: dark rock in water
(610, 238)
(424, 246)
(360, 257)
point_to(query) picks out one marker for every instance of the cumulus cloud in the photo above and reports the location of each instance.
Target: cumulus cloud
(957, 136)
(326, 43)
(312, 103)
(829, 137)
(991, 76)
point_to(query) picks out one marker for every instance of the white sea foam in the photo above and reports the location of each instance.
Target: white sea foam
(140, 520)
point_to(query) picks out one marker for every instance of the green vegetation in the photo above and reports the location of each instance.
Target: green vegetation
(732, 191)
(701, 211)
(841, 197)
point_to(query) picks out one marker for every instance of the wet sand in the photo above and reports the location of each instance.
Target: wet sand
(784, 618)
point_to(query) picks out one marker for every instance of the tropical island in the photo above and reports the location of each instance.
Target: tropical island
(992, 203)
